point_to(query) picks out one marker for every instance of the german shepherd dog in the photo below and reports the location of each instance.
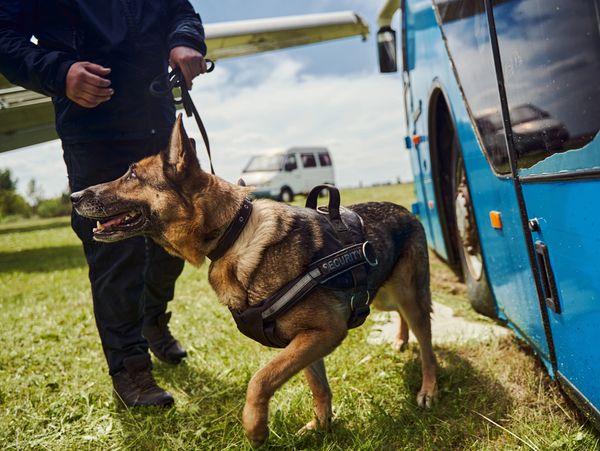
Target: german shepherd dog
(170, 199)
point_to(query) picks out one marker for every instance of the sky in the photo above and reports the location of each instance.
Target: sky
(327, 94)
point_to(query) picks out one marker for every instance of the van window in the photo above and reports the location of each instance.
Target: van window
(324, 159)
(290, 163)
(261, 163)
(308, 160)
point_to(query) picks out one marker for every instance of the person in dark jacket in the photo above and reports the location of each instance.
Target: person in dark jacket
(96, 59)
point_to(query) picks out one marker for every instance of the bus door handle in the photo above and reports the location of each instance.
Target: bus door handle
(547, 276)
(417, 113)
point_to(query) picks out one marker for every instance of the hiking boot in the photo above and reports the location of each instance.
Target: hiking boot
(135, 386)
(162, 344)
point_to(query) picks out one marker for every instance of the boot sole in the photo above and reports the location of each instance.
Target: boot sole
(169, 361)
(122, 404)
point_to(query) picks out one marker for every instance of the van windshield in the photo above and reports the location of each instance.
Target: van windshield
(262, 163)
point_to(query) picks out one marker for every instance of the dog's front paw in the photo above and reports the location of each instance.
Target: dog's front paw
(315, 425)
(256, 425)
(310, 426)
(257, 437)
(256, 443)
(427, 396)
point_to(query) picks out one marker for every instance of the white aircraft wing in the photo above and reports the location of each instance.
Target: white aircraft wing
(27, 118)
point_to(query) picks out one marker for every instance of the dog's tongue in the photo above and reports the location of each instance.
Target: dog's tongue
(112, 222)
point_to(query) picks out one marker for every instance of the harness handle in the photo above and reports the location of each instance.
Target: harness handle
(334, 200)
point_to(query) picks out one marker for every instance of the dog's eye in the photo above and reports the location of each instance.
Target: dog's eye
(132, 175)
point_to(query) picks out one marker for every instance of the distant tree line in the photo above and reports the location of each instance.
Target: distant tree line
(13, 205)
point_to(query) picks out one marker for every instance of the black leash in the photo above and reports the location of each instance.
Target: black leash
(163, 85)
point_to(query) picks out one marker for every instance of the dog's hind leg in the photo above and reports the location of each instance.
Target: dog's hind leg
(307, 347)
(387, 300)
(317, 380)
(401, 340)
(410, 285)
(420, 325)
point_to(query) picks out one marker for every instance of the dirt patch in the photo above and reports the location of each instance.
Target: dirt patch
(445, 325)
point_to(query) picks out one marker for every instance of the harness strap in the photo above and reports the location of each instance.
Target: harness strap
(359, 304)
(258, 322)
(233, 231)
(318, 272)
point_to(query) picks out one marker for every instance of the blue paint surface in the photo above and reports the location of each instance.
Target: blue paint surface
(504, 252)
(567, 212)
(569, 223)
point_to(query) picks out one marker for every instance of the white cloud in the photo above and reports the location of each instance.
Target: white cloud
(252, 104)
(358, 116)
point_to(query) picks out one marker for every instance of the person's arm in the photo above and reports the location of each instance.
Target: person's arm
(186, 40)
(50, 72)
(185, 27)
(21, 61)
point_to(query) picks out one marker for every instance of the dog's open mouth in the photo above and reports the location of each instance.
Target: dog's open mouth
(130, 221)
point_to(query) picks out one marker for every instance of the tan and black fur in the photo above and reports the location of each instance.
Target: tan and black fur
(186, 210)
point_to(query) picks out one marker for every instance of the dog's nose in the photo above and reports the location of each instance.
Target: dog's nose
(76, 197)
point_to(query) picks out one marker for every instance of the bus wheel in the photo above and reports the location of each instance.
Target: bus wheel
(469, 249)
(286, 195)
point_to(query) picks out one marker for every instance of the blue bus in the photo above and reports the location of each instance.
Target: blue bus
(502, 111)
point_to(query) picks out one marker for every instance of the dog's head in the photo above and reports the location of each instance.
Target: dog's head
(154, 196)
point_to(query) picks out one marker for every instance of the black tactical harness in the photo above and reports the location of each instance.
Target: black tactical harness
(341, 265)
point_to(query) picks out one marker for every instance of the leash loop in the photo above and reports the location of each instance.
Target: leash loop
(163, 85)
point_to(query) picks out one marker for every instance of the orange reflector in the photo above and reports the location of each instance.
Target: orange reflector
(430, 203)
(416, 139)
(496, 219)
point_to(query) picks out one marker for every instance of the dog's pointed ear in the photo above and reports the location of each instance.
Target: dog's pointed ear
(180, 156)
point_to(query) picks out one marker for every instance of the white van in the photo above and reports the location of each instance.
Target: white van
(282, 174)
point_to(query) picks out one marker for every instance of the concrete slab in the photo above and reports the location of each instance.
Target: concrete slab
(446, 327)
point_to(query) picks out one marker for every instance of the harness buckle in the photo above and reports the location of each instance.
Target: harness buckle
(369, 254)
(353, 306)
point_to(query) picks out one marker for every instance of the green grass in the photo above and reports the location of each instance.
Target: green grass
(55, 392)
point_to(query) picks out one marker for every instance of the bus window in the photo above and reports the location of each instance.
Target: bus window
(550, 51)
(465, 26)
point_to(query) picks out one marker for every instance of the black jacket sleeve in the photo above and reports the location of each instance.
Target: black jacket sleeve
(185, 26)
(23, 62)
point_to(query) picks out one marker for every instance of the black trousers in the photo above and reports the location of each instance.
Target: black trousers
(131, 280)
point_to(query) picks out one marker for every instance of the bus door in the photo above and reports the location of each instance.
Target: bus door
(417, 21)
(415, 131)
(550, 54)
(475, 105)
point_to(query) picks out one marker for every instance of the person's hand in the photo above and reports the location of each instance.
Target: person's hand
(86, 85)
(190, 61)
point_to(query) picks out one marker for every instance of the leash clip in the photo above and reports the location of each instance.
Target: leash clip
(163, 85)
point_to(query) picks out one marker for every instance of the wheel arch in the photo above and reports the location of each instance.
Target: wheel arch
(286, 187)
(441, 131)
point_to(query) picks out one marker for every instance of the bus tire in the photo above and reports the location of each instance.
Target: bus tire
(286, 195)
(468, 243)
